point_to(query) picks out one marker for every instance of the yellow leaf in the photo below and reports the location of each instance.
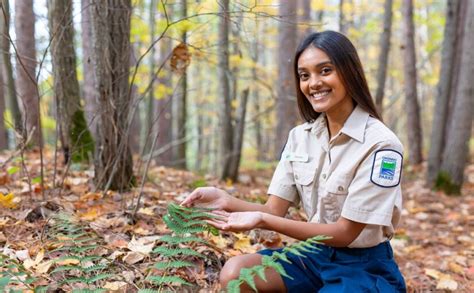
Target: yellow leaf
(454, 267)
(90, 215)
(68, 261)
(7, 200)
(433, 273)
(243, 243)
(43, 268)
(115, 286)
(219, 241)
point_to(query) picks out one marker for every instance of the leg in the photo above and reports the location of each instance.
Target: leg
(231, 271)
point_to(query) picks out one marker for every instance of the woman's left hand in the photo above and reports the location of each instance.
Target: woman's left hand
(237, 221)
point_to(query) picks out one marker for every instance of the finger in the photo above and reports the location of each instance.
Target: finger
(221, 213)
(217, 224)
(193, 197)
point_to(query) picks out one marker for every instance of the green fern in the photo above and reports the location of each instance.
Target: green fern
(173, 264)
(160, 280)
(247, 275)
(180, 240)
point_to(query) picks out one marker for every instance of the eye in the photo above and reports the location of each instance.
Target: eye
(326, 70)
(303, 76)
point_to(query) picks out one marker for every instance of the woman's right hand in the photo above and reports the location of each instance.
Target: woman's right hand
(208, 197)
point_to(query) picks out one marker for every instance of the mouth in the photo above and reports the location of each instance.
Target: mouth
(320, 94)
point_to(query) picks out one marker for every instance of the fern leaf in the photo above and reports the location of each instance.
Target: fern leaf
(148, 291)
(293, 251)
(179, 229)
(4, 281)
(279, 268)
(84, 248)
(178, 240)
(65, 257)
(233, 286)
(89, 258)
(74, 280)
(65, 268)
(41, 289)
(98, 278)
(170, 252)
(260, 271)
(282, 256)
(159, 280)
(247, 276)
(93, 268)
(173, 264)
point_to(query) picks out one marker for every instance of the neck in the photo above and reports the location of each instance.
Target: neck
(337, 117)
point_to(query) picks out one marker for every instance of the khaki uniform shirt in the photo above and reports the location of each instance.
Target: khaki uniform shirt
(355, 175)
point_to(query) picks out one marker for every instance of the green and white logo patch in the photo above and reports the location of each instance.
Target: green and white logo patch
(387, 168)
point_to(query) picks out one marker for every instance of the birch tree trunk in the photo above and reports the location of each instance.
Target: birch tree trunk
(110, 21)
(76, 141)
(286, 101)
(6, 67)
(225, 111)
(3, 130)
(89, 87)
(441, 105)
(384, 55)
(26, 68)
(411, 100)
(455, 155)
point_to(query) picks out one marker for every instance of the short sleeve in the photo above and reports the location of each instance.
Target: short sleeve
(283, 183)
(375, 189)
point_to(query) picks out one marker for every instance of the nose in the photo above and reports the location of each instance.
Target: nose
(316, 83)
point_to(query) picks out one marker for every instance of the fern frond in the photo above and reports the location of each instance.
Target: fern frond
(268, 261)
(247, 276)
(173, 264)
(282, 256)
(74, 280)
(65, 257)
(98, 278)
(179, 229)
(170, 252)
(179, 240)
(81, 249)
(233, 286)
(159, 280)
(65, 268)
(89, 258)
(148, 291)
(260, 271)
(94, 268)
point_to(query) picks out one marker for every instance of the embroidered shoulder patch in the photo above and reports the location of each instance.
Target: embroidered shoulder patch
(386, 168)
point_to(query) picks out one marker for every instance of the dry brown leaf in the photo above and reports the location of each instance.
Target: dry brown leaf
(141, 245)
(455, 268)
(447, 284)
(115, 286)
(43, 268)
(67, 261)
(133, 257)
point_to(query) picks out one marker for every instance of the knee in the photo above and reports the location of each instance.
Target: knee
(231, 270)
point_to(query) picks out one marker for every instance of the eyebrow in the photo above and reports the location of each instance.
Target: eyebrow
(319, 64)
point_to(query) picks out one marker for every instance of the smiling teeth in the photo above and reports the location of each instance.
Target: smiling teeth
(320, 94)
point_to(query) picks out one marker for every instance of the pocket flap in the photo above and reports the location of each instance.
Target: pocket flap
(304, 176)
(338, 184)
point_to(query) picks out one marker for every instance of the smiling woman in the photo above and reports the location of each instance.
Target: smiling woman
(343, 166)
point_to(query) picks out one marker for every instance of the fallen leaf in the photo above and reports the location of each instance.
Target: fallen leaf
(455, 268)
(243, 242)
(149, 211)
(68, 261)
(114, 286)
(43, 268)
(6, 200)
(91, 196)
(133, 257)
(141, 246)
(433, 273)
(447, 284)
(219, 241)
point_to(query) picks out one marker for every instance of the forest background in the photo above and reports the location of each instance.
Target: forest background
(138, 102)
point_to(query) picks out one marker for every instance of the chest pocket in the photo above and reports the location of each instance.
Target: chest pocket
(304, 177)
(334, 196)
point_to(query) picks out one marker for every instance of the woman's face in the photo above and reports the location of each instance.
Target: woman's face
(320, 82)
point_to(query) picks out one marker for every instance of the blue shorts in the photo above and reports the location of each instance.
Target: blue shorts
(343, 270)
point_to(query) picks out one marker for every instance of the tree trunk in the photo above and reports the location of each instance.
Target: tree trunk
(238, 136)
(180, 114)
(89, 88)
(286, 101)
(110, 21)
(225, 110)
(26, 68)
(305, 17)
(151, 104)
(455, 155)
(411, 102)
(76, 141)
(7, 68)
(3, 130)
(441, 107)
(384, 54)
(255, 93)
(342, 18)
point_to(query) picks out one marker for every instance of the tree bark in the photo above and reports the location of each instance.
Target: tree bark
(110, 21)
(225, 111)
(305, 17)
(76, 141)
(456, 152)
(286, 101)
(238, 136)
(3, 130)
(441, 106)
(26, 68)
(89, 88)
(7, 68)
(384, 55)
(411, 101)
(151, 104)
(181, 107)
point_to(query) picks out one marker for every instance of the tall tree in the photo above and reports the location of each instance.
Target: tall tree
(180, 105)
(411, 101)
(445, 84)
(225, 110)
(76, 141)
(6, 66)
(151, 105)
(110, 21)
(305, 17)
(26, 68)
(456, 152)
(384, 53)
(286, 101)
(89, 88)
(3, 130)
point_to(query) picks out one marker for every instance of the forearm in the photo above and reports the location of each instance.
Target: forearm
(343, 232)
(275, 206)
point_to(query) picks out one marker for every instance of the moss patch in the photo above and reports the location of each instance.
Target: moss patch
(81, 138)
(444, 183)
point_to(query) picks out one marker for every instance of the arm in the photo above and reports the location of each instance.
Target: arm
(275, 206)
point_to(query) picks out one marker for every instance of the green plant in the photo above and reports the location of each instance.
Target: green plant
(175, 250)
(15, 278)
(445, 183)
(247, 275)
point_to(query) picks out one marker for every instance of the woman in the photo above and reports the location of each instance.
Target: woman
(343, 165)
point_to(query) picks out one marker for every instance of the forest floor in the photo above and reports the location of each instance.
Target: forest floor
(434, 245)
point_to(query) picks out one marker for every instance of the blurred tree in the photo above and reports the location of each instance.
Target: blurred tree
(110, 21)
(26, 68)
(6, 66)
(76, 140)
(450, 177)
(3, 130)
(412, 107)
(384, 54)
(287, 114)
(305, 18)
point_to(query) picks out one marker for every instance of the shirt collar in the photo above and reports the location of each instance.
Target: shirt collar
(355, 124)
(317, 125)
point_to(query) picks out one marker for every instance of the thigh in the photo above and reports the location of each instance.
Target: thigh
(273, 283)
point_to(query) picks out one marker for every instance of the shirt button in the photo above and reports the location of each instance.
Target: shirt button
(324, 176)
(340, 188)
(296, 176)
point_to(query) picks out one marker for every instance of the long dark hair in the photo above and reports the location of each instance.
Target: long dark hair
(346, 60)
